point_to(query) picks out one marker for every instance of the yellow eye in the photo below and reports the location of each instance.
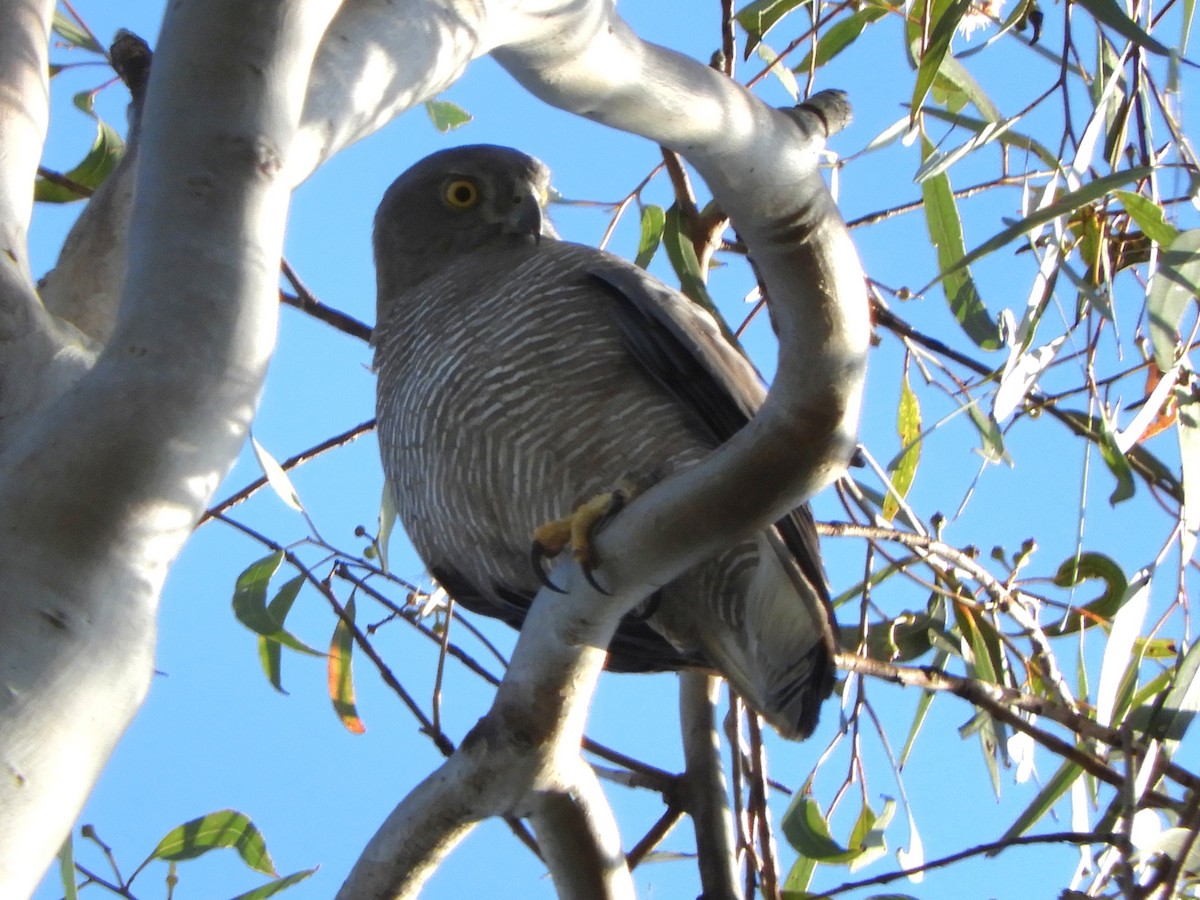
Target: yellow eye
(461, 193)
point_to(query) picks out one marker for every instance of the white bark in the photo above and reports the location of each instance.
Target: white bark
(105, 467)
(707, 793)
(762, 167)
(40, 358)
(101, 483)
(378, 61)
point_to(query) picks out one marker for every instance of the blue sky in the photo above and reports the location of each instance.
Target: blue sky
(214, 734)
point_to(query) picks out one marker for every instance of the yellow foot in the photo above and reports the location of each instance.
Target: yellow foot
(575, 532)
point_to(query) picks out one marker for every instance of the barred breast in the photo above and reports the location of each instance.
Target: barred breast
(507, 396)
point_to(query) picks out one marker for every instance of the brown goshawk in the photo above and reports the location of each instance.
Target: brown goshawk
(520, 375)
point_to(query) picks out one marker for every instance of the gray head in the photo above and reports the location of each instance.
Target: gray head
(455, 202)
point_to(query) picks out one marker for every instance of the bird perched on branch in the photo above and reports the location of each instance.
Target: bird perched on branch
(520, 376)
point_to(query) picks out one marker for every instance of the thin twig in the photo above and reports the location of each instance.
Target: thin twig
(338, 440)
(1000, 702)
(652, 838)
(305, 301)
(70, 184)
(1062, 837)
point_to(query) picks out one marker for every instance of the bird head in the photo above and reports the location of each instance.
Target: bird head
(455, 202)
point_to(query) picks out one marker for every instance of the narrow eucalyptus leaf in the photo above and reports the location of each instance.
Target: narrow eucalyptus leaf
(275, 887)
(945, 231)
(1110, 13)
(1176, 284)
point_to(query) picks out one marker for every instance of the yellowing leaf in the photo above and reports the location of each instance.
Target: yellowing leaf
(904, 467)
(341, 677)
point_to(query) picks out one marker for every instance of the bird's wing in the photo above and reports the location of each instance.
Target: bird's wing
(683, 348)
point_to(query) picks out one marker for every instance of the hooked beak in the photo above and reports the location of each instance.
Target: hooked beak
(528, 215)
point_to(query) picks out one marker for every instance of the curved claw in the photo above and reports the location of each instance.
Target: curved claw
(537, 559)
(575, 532)
(587, 573)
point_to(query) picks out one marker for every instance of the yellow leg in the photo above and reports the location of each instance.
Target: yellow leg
(575, 531)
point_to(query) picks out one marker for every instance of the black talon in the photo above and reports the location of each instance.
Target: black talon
(537, 556)
(587, 573)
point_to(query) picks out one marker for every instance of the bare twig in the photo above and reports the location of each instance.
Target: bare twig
(305, 301)
(337, 440)
(1062, 837)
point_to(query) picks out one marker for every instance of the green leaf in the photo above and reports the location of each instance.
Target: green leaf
(761, 16)
(782, 73)
(948, 15)
(1090, 567)
(1117, 464)
(992, 440)
(908, 427)
(250, 594)
(225, 828)
(683, 259)
(904, 638)
(387, 523)
(945, 231)
(1006, 136)
(1119, 654)
(1065, 205)
(955, 86)
(867, 836)
(250, 603)
(275, 887)
(102, 158)
(1149, 216)
(984, 642)
(446, 116)
(71, 32)
(85, 102)
(1050, 793)
(653, 220)
(806, 830)
(922, 711)
(842, 34)
(1110, 13)
(341, 675)
(270, 648)
(66, 869)
(1176, 283)
(799, 877)
(1180, 704)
